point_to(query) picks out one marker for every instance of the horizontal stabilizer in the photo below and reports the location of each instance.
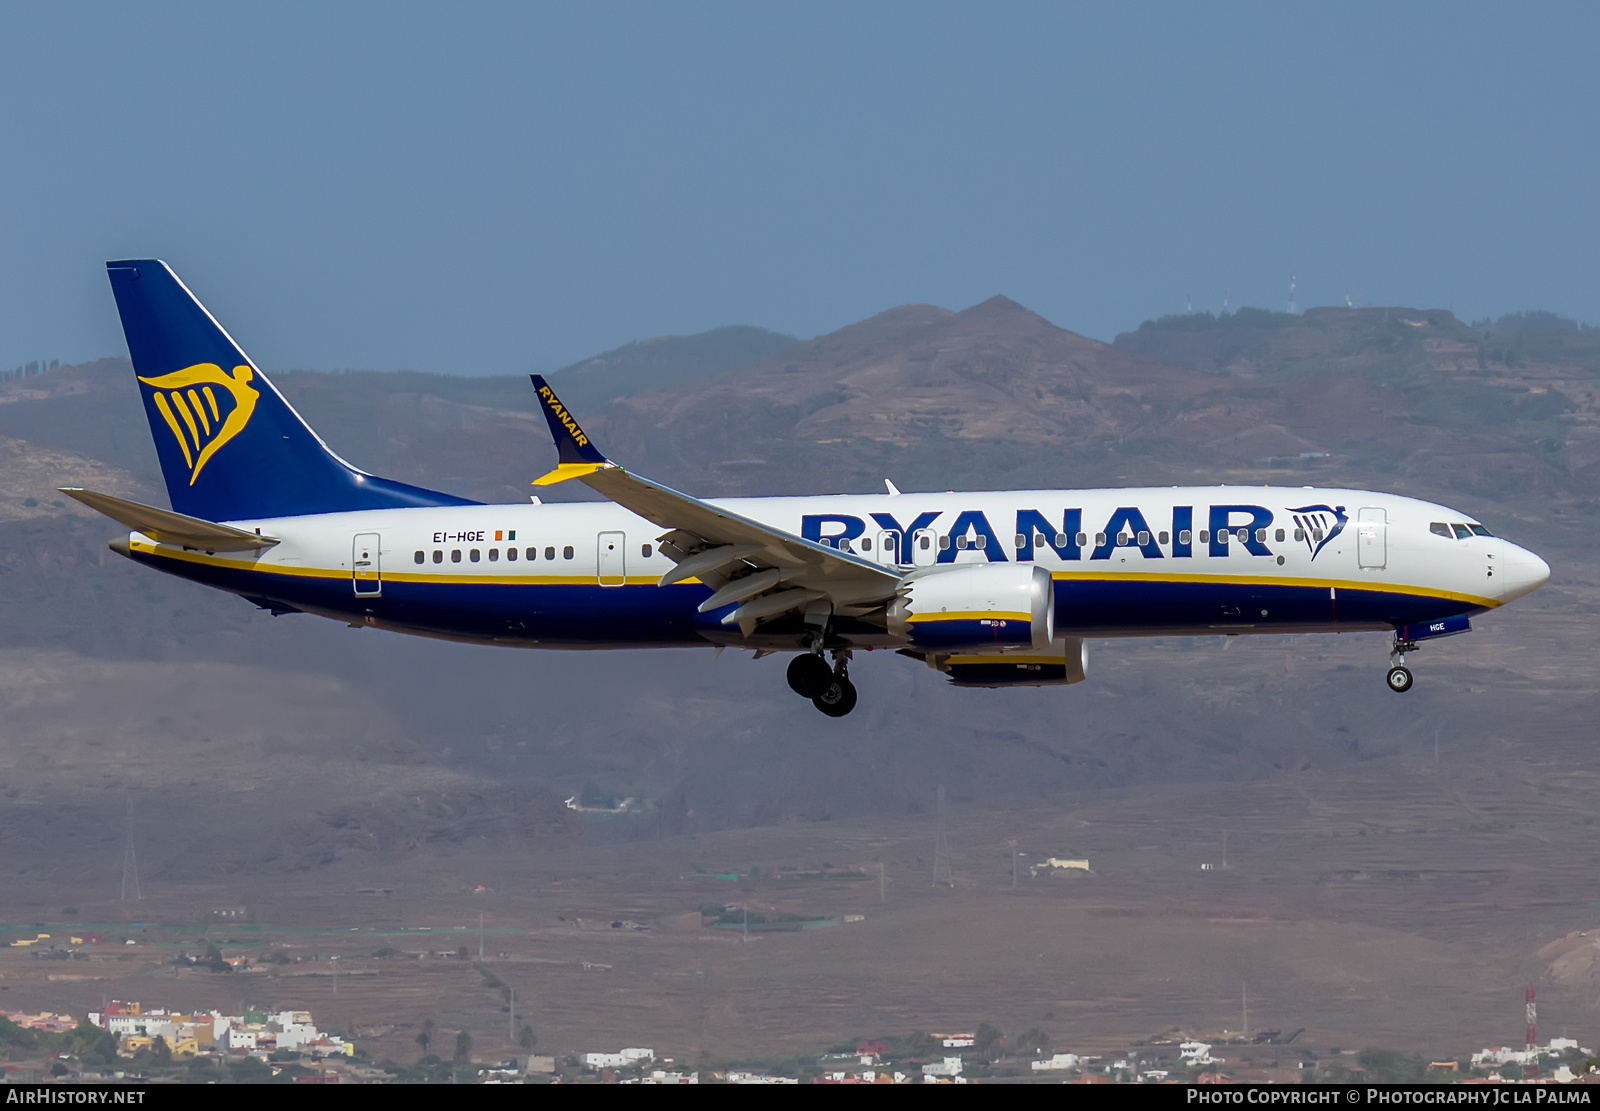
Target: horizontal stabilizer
(169, 527)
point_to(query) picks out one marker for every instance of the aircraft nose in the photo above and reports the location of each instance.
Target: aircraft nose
(1521, 572)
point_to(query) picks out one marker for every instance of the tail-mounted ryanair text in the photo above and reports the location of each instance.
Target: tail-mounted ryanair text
(992, 589)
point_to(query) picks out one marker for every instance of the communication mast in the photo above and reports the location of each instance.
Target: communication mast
(1533, 1019)
(130, 862)
(1293, 310)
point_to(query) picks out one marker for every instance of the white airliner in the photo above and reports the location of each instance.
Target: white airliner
(993, 589)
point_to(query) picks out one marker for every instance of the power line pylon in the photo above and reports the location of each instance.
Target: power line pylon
(941, 849)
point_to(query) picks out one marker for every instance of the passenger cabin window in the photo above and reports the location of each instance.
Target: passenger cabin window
(1316, 534)
(1021, 540)
(1299, 534)
(866, 544)
(511, 554)
(475, 555)
(438, 557)
(961, 542)
(1439, 528)
(455, 555)
(922, 542)
(494, 555)
(1243, 535)
(1144, 538)
(1278, 536)
(566, 553)
(944, 543)
(1099, 539)
(1205, 536)
(1162, 539)
(1061, 540)
(1187, 537)
(418, 558)
(645, 550)
(550, 553)
(1261, 536)
(531, 554)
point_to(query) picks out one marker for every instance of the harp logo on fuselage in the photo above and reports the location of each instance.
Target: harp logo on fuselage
(205, 407)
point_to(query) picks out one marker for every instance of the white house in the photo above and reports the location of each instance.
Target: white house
(1059, 1061)
(950, 1066)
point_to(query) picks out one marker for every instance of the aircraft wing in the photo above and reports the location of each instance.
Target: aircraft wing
(168, 527)
(770, 571)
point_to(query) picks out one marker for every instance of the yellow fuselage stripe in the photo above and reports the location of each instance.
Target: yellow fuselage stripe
(163, 552)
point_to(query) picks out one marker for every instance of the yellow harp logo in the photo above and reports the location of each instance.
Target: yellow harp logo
(189, 404)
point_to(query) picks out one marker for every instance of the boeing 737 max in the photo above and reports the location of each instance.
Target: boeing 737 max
(993, 589)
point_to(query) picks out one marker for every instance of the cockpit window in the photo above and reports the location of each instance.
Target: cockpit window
(1463, 532)
(1439, 528)
(1479, 530)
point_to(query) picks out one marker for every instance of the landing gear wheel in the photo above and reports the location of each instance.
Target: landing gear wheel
(838, 699)
(1400, 679)
(809, 675)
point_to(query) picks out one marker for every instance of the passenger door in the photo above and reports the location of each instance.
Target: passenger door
(366, 570)
(612, 558)
(1372, 540)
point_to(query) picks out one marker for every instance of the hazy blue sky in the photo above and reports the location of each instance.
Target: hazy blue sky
(493, 188)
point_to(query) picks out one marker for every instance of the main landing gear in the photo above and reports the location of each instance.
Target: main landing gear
(1400, 677)
(829, 688)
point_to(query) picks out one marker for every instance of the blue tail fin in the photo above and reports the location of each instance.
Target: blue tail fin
(231, 447)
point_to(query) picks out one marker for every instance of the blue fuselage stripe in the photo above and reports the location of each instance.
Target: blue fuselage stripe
(576, 614)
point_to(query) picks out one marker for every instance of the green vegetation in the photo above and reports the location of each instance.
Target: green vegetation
(429, 1070)
(87, 1042)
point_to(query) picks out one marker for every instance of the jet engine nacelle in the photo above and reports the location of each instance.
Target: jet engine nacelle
(993, 606)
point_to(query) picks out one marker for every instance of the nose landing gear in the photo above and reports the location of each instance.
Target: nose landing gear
(1400, 677)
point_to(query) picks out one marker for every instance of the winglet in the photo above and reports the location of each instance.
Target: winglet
(577, 456)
